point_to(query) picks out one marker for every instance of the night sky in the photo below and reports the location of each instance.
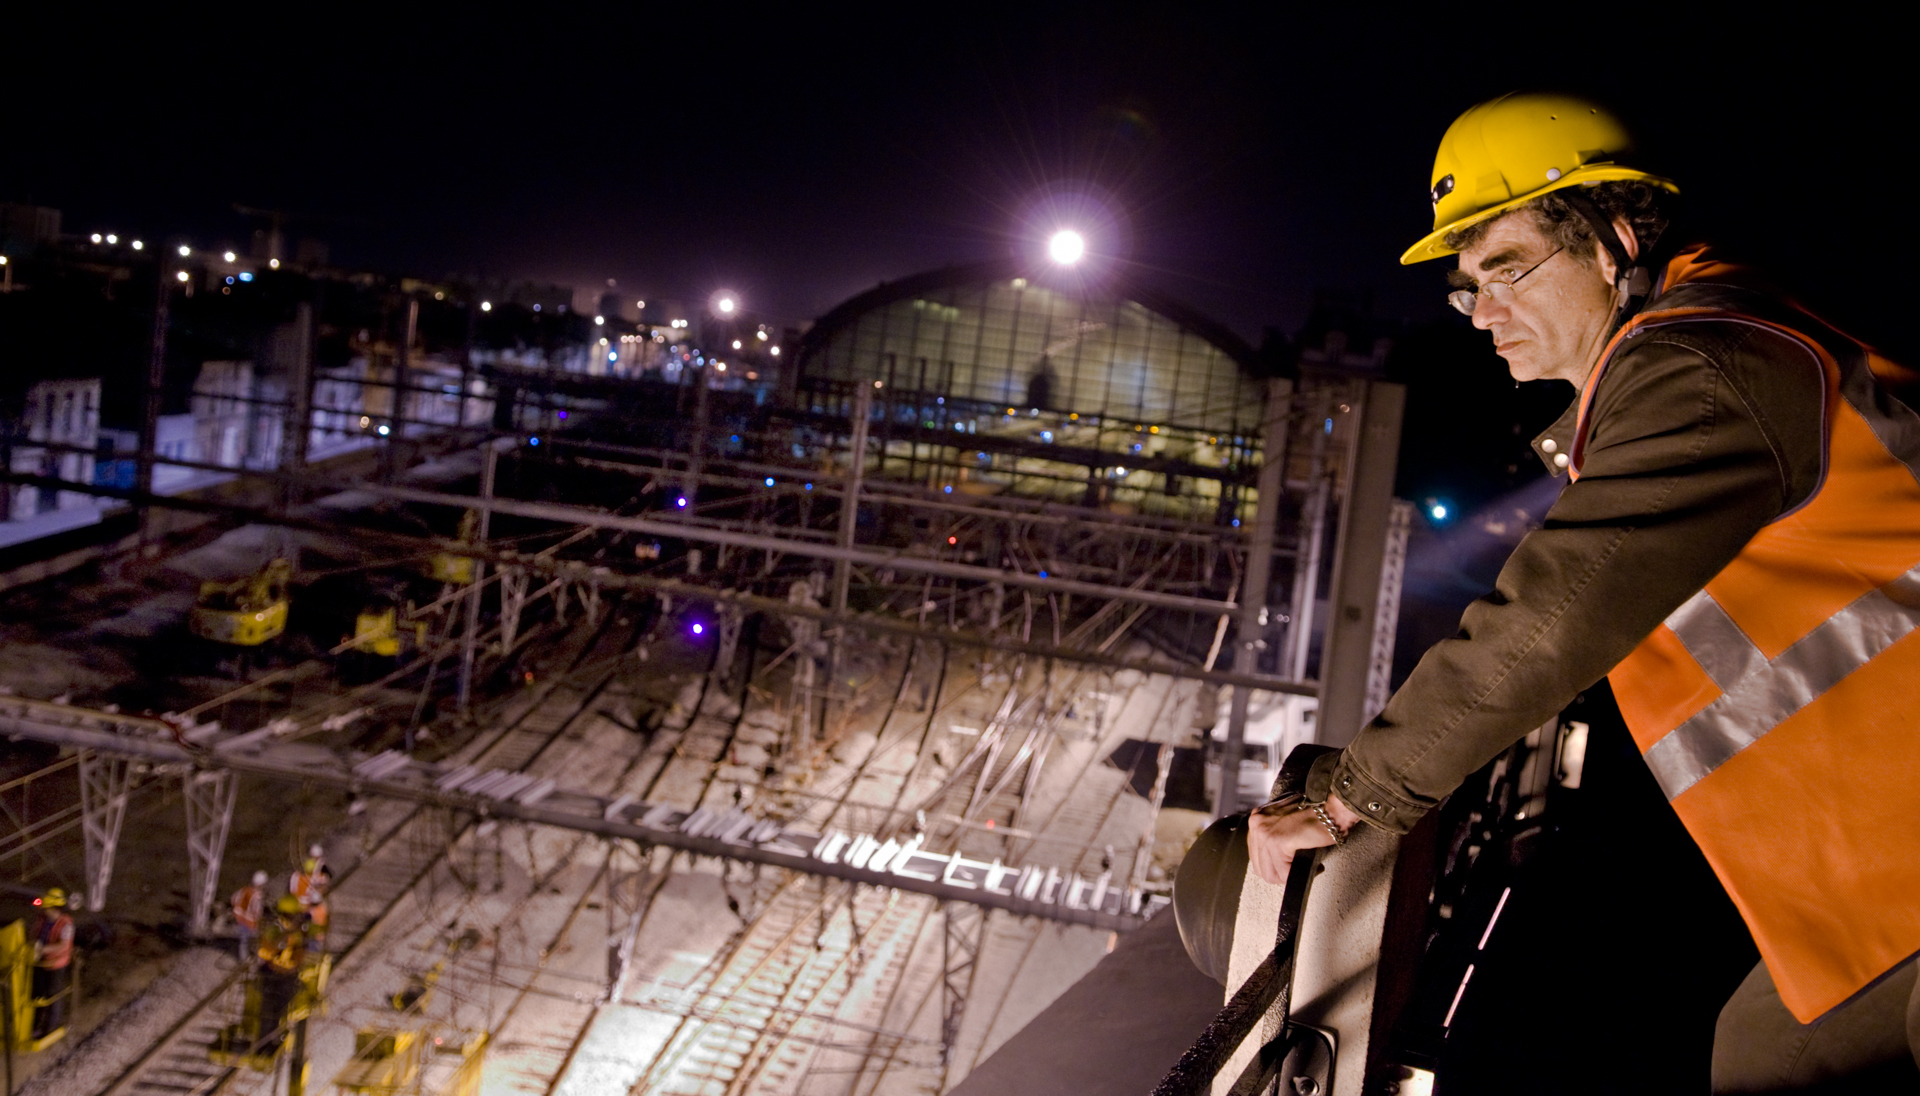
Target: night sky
(1237, 158)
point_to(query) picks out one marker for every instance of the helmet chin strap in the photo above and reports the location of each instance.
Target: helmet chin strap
(1631, 280)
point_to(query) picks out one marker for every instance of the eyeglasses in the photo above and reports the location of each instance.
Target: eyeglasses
(1464, 301)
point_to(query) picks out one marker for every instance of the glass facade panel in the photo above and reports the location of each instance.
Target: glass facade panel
(1013, 344)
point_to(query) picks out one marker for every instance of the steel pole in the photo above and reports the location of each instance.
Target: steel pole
(489, 470)
(1249, 634)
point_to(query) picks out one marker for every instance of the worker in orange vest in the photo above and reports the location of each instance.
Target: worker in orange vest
(249, 902)
(309, 886)
(52, 939)
(1738, 552)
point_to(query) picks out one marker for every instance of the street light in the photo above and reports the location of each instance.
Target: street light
(184, 250)
(229, 256)
(725, 303)
(1067, 247)
(486, 306)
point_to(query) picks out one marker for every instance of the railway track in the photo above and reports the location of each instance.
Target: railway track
(368, 889)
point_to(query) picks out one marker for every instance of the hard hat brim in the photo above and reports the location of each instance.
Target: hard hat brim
(1434, 244)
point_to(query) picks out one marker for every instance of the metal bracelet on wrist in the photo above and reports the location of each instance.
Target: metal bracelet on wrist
(1320, 811)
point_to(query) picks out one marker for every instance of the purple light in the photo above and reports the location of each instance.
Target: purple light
(681, 502)
(699, 629)
(563, 416)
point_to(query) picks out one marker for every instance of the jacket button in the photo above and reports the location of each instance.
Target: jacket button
(1346, 781)
(1548, 445)
(1375, 807)
(1560, 460)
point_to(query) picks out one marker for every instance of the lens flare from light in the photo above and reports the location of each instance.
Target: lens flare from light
(1067, 247)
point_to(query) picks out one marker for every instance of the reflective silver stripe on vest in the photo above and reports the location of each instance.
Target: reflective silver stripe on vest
(1772, 691)
(1715, 641)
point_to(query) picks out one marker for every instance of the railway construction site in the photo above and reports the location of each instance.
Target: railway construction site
(659, 733)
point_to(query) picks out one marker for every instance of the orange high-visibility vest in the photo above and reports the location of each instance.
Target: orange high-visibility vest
(305, 886)
(53, 931)
(1779, 707)
(248, 903)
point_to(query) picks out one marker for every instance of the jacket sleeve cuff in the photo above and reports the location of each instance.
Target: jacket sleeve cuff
(1366, 797)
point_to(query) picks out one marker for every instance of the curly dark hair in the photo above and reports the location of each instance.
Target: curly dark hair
(1644, 206)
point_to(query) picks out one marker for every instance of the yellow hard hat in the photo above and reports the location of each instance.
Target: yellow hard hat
(289, 906)
(1507, 151)
(55, 898)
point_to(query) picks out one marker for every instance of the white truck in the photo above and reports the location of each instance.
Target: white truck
(1276, 723)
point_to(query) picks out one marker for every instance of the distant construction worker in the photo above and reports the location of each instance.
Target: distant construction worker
(310, 885)
(282, 952)
(52, 962)
(249, 902)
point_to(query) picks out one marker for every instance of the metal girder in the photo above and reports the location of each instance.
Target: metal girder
(209, 801)
(965, 928)
(864, 622)
(105, 781)
(877, 557)
(1028, 890)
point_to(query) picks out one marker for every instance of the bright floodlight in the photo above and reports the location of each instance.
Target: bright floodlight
(1067, 247)
(726, 305)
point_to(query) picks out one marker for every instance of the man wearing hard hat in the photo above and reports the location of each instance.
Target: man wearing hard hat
(52, 939)
(248, 903)
(1737, 550)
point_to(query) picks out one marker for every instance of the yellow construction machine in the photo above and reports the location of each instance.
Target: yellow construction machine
(452, 568)
(246, 612)
(405, 1053)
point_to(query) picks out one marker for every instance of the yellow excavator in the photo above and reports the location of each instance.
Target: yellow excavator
(246, 612)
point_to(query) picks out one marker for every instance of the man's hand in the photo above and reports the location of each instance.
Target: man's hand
(1275, 833)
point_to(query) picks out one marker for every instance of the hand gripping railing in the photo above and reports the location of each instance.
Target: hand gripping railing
(1300, 1054)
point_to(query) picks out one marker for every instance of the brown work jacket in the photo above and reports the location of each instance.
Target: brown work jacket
(1703, 431)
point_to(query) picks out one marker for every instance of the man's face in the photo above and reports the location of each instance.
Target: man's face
(1555, 322)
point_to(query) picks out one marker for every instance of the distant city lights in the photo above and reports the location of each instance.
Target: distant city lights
(775, 351)
(486, 306)
(112, 239)
(642, 304)
(184, 250)
(273, 264)
(1438, 510)
(736, 344)
(726, 303)
(769, 481)
(681, 502)
(95, 237)
(182, 275)
(699, 629)
(761, 335)
(246, 275)
(600, 321)
(229, 256)
(383, 430)
(1067, 247)
(137, 245)
(535, 441)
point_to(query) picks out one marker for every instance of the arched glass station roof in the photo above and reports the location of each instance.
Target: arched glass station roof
(986, 336)
(1085, 390)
